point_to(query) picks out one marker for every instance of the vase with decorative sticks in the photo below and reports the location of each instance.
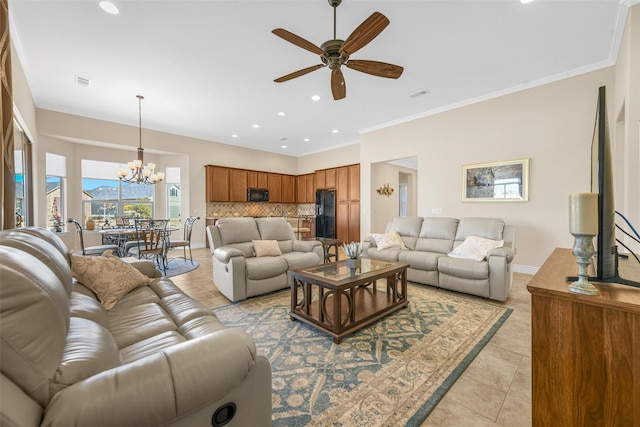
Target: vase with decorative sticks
(352, 250)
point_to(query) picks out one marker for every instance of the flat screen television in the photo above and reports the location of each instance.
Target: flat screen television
(606, 263)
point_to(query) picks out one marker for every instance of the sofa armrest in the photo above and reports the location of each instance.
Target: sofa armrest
(305, 245)
(503, 252)
(224, 254)
(367, 242)
(158, 389)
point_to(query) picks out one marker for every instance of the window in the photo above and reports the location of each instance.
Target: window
(23, 176)
(172, 178)
(56, 168)
(105, 198)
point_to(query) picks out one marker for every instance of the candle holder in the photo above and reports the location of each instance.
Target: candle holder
(583, 250)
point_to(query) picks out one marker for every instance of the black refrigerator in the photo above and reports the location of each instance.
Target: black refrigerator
(326, 213)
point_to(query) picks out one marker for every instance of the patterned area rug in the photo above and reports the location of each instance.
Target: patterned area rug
(178, 266)
(392, 373)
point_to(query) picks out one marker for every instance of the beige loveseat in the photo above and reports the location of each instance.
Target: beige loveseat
(239, 270)
(429, 241)
(156, 358)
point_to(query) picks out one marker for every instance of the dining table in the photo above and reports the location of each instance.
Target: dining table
(120, 237)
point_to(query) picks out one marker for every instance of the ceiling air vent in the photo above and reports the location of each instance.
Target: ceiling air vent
(420, 93)
(83, 81)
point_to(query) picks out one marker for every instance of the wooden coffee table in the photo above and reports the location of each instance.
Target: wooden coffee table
(314, 291)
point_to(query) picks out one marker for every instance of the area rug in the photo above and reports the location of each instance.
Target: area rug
(392, 373)
(177, 266)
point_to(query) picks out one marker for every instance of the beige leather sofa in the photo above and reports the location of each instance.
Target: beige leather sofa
(238, 273)
(157, 358)
(428, 242)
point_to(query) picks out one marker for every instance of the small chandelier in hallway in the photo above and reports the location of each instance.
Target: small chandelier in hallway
(136, 172)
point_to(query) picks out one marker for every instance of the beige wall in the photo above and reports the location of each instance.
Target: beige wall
(551, 125)
(384, 208)
(347, 155)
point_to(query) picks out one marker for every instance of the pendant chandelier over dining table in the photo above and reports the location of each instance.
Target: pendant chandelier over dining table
(136, 171)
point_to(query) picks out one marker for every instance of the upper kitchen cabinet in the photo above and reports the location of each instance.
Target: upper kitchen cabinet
(274, 185)
(217, 185)
(238, 185)
(305, 189)
(288, 189)
(325, 178)
(257, 179)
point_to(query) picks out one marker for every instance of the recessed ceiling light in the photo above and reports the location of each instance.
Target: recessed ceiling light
(281, 113)
(315, 98)
(109, 7)
(255, 126)
(306, 140)
(525, 1)
(334, 131)
(284, 146)
(234, 136)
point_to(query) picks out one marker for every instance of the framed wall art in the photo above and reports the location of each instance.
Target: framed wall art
(506, 181)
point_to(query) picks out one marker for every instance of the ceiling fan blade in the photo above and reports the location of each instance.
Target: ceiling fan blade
(298, 41)
(338, 86)
(380, 69)
(298, 73)
(367, 31)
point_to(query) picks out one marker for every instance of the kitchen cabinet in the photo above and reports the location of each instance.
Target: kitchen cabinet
(217, 183)
(305, 189)
(288, 189)
(354, 182)
(330, 178)
(274, 185)
(321, 179)
(348, 203)
(311, 189)
(301, 189)
(257, 179)
(238, 185)
(342, 184)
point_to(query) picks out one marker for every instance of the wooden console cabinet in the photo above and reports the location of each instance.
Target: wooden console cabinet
(585, 350)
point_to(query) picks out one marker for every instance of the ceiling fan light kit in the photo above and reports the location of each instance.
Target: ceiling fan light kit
(335, 53)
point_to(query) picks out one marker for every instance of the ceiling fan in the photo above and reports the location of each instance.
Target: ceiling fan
(335, 53)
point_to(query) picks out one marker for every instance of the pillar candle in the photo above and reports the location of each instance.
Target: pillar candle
(583, 213)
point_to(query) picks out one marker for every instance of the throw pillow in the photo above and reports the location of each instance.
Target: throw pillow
(107, 276)
(475, 248)
(388, 240)
(266, 248)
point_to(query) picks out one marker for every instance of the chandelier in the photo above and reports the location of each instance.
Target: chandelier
(135, 171)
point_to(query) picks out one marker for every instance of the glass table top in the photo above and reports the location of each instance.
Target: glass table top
(339, 271)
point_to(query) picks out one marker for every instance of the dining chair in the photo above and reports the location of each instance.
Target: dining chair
(152, 241)
(186, 241)
(92, 250)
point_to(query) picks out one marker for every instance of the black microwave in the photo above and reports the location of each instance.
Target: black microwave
(257, 195)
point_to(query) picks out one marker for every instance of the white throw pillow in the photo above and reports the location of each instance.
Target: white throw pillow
(475, 248)
(266, 248)
(388, 240)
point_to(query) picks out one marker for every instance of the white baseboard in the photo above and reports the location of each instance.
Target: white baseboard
(525, 269)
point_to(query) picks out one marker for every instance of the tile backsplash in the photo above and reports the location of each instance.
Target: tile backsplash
(226, 210)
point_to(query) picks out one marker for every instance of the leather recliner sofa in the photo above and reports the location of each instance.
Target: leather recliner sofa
(428, 242)
(157, 358)
(238, 273)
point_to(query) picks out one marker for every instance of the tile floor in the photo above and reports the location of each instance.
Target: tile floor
(494, 391)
